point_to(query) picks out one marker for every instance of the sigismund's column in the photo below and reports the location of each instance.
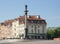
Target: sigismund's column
(26, 30)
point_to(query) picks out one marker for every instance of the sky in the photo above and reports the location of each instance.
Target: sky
(47, 9)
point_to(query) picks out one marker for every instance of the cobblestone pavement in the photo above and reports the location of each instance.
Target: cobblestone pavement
(35, 42)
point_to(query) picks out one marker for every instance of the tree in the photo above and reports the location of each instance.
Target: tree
(53, 33)
(57, 32)
(50, 34)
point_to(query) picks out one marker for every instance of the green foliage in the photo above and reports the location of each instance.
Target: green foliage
(57, 32)
(50, 34)
(53, 33)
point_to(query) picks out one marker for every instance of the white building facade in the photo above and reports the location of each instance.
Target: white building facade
(36, 27)
(17, 29)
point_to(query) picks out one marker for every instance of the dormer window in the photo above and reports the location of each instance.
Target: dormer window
(31, 21)
(42, 21)
(38, 21)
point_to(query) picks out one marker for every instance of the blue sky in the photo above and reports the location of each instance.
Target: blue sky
(47, 9)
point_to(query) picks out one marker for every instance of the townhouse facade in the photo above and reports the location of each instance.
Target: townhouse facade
(5, 31)
(36, 27)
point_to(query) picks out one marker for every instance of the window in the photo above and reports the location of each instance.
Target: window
(14, 28)
(15, 25)
(38, 21)
(43, 29)
(38, 26)
(38, 30)
(35, 28)
(32, 30)
(15, 34)
(42, 21)
(31, 21)
(32, 26)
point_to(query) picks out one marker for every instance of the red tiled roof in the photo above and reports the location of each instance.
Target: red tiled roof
(31, 18)
(7, 22)
(35, 19)
(23, 18)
